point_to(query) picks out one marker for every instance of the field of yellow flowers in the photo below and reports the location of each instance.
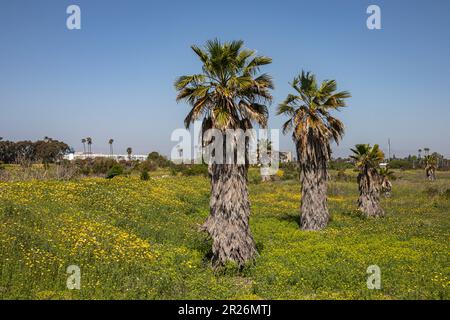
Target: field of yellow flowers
(136, 239)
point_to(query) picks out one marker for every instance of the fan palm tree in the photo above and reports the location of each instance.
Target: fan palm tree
(430, 167)
(313, 128)
(228, 94)
(83, 141)
(426, 150)
(129, 152)
(89, 143)
(386, 176)
(111, 141)
(367, 160)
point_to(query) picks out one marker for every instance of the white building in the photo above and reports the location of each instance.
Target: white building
(117, 157)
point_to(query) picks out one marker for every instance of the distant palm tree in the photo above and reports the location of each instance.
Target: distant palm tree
(89, 143)
(367, 160)
(420, 153)
(228, 94)
(427, 150)
(129, 152)
(111, 141)
(83, 141)
(430, 167)
(313, 128)
(386, 176)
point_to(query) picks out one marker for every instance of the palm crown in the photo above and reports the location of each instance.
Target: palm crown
(228, 93)
(309, 109)
(366, 156)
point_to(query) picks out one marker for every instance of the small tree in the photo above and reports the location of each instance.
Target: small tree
(386, 176)
(129, 152)
(367, 160)
(430, 167)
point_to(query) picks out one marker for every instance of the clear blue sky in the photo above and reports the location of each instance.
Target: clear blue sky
(114, 77)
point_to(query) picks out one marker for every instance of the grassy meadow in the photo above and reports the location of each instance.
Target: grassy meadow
(137, 239)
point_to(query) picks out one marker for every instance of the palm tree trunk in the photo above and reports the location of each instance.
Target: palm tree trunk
(369, 194)
(228, 222)
(314, 213)
(314, 210)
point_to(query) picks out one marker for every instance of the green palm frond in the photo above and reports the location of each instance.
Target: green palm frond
(366, 156)
(229, 91)
(308, 109)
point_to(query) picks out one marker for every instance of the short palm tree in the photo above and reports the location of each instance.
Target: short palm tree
(229, 93)
(111, 141)
(367, 160)
(313, 129)
(386, 176)
(430, 167)
(129, 152)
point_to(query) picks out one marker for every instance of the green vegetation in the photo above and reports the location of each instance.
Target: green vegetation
(137, 239)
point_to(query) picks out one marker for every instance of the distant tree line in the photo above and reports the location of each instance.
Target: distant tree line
(27, 152)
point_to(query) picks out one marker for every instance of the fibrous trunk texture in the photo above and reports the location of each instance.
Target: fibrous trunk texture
(228, 222)
(369, 193)
(313, 178)
(430, 173)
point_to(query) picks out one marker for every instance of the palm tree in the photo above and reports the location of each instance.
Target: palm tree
(129, 152)
(89, 143)
(430, 167)
(264, 158)
(426, 150)
(420, 153)
(111, 141)
(313, 128)
(228, 94)
(367, 160)
(83, 141)
(386, 176)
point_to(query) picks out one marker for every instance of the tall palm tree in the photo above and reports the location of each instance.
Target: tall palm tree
(430, 167)
(367, 160)
(228, 94)
(111, 141)
(89, 143)
(83, 141)
(420, 153)
(313, 128)
(129, 152)
(426, 150)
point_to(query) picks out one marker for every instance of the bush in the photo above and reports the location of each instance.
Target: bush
(148, 166)
(159, 160)
(192, 170)
(400, 164)
(145, 176)
(115, 170)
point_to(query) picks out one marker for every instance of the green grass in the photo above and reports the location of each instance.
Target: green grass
(138, 239)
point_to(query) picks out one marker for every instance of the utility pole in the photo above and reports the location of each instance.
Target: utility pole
(389, 150)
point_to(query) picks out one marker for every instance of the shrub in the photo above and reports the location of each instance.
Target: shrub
(145, 176)
(114, 171)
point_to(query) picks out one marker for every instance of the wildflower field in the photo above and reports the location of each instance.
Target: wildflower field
(135, 239)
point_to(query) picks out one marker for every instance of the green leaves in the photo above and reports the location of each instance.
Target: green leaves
(366, 156)
(229, 90)
(308, 109)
